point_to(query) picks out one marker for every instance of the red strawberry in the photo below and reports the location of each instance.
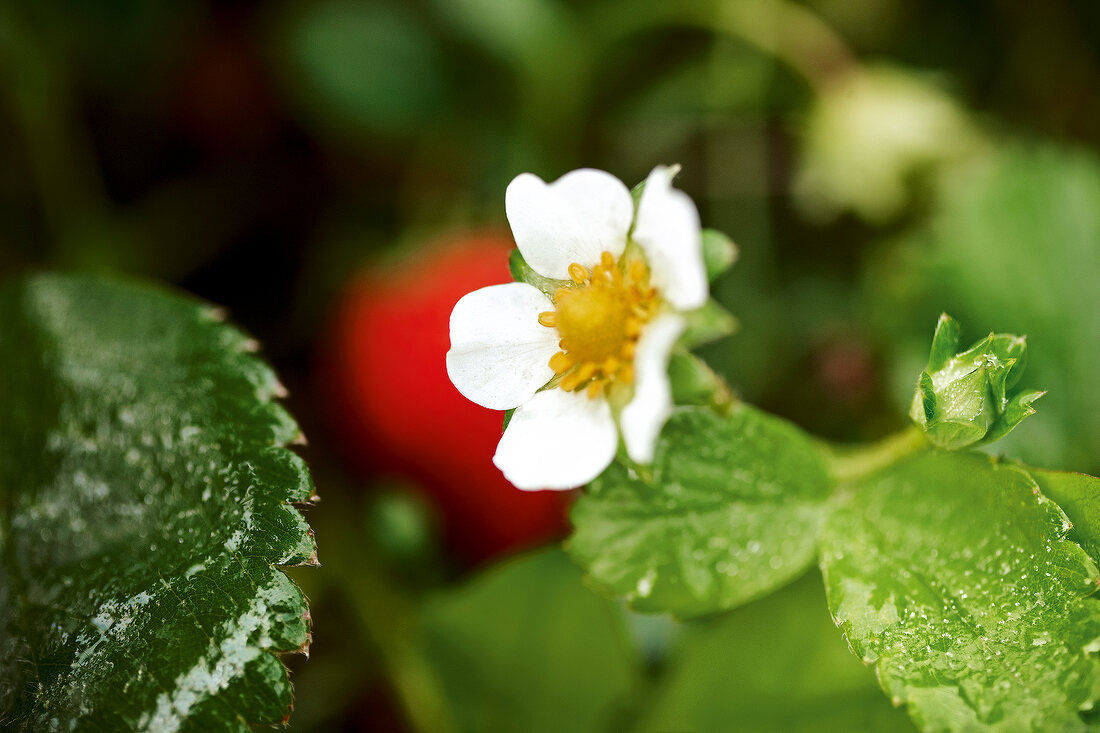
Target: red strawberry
(400, 413)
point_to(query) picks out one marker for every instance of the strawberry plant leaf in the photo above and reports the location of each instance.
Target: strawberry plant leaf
(729, 511)
(953, 576)
(1078, 495)
(144, 489)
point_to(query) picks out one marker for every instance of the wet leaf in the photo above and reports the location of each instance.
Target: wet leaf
(1078, 495)
(729, 511)
(952, 575)
(143, 504)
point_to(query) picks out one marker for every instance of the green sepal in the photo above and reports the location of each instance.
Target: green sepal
(719, 252)
(695, 383)
(953, 434)
(524, 273)
(1018, 409)
(636, 193)
(927, 395)
(965, 399)
(1013, 350)
(998, 381)
(507, 419)
(945, 342)
(707, 323)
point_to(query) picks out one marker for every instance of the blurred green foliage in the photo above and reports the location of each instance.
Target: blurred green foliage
(256, 154)
(1015, 246)
(374, 66)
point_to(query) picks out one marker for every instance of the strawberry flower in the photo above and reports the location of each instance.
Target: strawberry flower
(583, 357)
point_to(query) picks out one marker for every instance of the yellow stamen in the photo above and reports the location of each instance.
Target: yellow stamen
(562, 362)
(592, 321)
(571, 381)
(599, 319)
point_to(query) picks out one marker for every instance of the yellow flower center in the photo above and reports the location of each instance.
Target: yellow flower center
(599, 320)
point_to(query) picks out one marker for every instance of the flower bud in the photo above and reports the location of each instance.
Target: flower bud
(968, 398)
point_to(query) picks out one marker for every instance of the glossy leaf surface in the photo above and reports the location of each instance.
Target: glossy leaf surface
(144, 489)
(729, 511)
(952, 575)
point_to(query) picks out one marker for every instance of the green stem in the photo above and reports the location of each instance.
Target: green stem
(850, 463)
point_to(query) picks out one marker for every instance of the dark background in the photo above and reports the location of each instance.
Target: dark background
(266, 156)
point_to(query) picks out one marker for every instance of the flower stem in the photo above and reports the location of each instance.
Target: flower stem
(850, 463)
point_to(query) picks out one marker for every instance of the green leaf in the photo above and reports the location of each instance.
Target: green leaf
(143, 504)
(526, 647)
(774, 665)
(952, 575)
(719, 253)
(728, 511)
(1078, 495)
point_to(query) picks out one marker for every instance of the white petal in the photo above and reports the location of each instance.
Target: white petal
(573, 219)
(499, 352)
(643, 417)
(668, 232)
(557, 440)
